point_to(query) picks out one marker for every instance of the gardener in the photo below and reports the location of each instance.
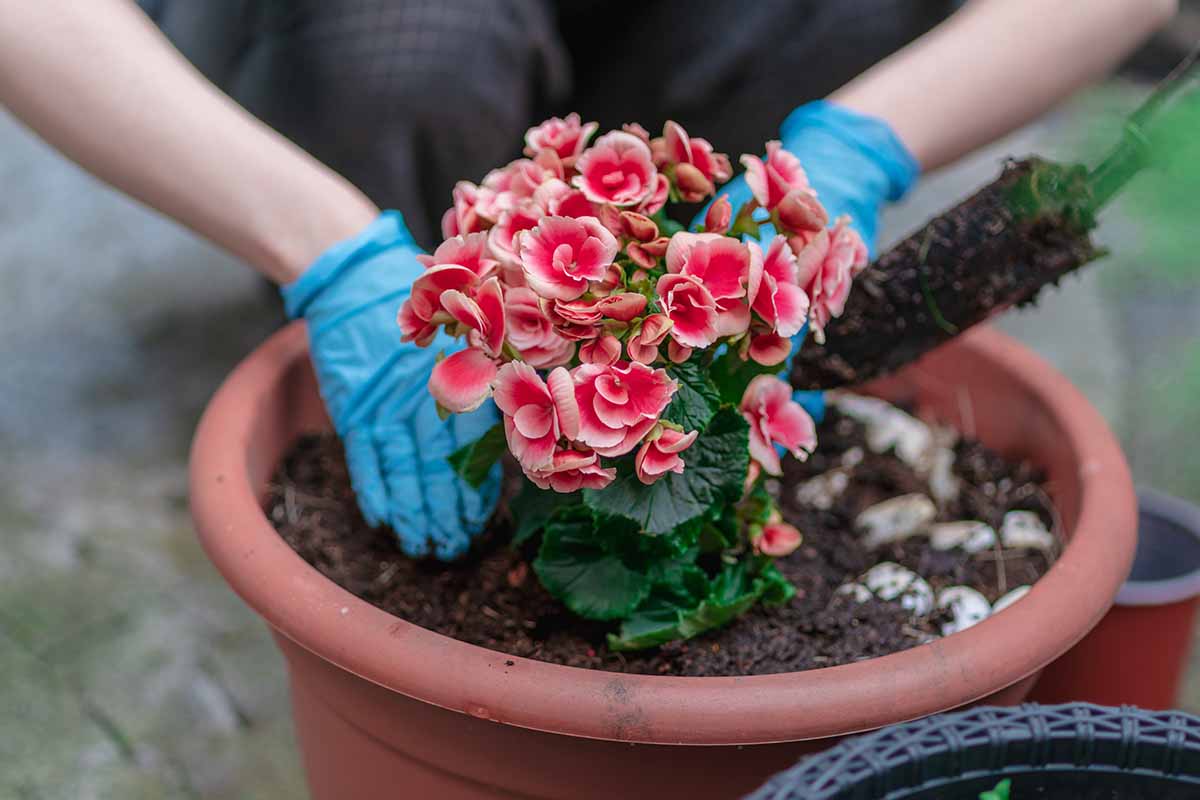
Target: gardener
(404, 97)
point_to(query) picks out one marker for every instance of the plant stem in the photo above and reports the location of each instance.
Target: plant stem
(1135, 149)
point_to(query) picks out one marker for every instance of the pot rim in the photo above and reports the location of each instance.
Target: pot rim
(1180, 588)
(325, 619)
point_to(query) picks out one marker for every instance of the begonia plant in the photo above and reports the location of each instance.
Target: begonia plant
(635, 363)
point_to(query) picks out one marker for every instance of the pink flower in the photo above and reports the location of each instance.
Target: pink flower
(531, 332)
(566, 137)
(422, 313)
(619, 404)
(601, 350)
(660, 455)
(658, 196)
(677, 352)
(561, 255)
(502, 238)
(556, 198)
(459, 263)
(462, 218)
(504, 188)
(722, 264)
(698, 153)
(468, 250)
(482, 315)
(646, 254)
(775, 418)
(770, 181)
(777, 539)
(617, 169)
(774, 293)
(768, 348)
(643, 345)
(800, 211)
(827, 267)
(639, 226)
(537, 413)
(719, 215)
(691, 309)
(463, 381)
(572, 470)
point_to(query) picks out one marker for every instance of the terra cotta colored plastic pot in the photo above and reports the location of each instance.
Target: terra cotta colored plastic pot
(386, 709)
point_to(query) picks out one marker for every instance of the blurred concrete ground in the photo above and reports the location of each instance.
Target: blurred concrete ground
(128, 669)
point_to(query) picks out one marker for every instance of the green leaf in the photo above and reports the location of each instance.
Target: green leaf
(696, 400)
(532, 508)
(713, 476)
(474, 461)
(730, 375)
(677, 611)
(576, 565)
(1000, 792)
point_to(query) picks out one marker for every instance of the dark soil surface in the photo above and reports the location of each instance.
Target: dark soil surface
(493, 599)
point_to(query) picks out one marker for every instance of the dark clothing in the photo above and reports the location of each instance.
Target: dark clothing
(404, 97)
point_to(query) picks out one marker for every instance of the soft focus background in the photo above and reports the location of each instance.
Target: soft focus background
(128, 670)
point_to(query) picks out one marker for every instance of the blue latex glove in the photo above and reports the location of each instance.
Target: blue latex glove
(855, 163)
(375, 389)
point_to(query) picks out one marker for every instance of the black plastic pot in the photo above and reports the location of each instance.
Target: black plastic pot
(1076, 751)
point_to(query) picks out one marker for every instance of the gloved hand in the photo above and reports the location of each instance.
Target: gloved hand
(855, 163)
(375, 389)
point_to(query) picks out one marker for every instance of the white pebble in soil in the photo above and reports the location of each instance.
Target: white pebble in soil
(856, 591)
(1025, 530)
(970, 536)
(852, 457)
(822, 491)
(891, 581)
(944, 485)
(1010, 598)
(888, 427)
(966, 605)
(895, 519)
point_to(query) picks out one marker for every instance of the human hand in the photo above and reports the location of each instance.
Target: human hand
(374, 387)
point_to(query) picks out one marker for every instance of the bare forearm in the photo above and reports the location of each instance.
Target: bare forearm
(994, 66)
(101, 84)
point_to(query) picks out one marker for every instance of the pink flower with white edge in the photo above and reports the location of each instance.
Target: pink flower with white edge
(775, 418)
(603, 350)
(531, 332)
(572, 470)
(561, 255)
(827, 267)
(719, 215)
(537, 413)
(468, 250)
(482, 315)
(801, 212)
(462, 218)
(502, 238)
(557, 198)
(504, 188)
(771, 180)
(768, 348)
(723, 265)
(617, 169)
(464, 380)
(657, 197)
(567, 137)
(774, 293)
(643, 345)
(690, 307)
(619, 404)
(683, 149)
(459, 263)
(660, 455)
(778, 539)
